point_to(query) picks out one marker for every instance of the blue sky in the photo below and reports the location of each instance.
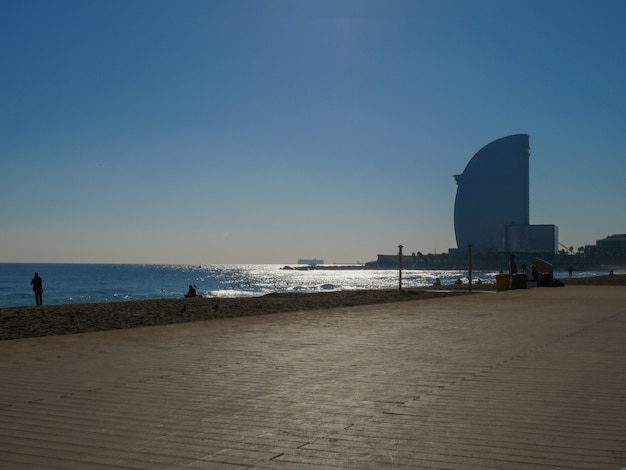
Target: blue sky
(265, 131)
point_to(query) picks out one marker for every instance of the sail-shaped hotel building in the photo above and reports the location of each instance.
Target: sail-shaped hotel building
(491, 210)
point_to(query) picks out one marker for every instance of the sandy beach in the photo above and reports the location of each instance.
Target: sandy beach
(26, 322)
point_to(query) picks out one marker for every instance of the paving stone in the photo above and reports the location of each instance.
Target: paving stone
(510, 380)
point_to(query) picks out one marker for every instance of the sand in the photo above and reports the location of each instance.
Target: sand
(27, 322)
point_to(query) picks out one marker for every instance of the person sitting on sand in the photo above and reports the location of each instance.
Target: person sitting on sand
(611, 273)
(192, 292)
(458, 281)
(437, 282)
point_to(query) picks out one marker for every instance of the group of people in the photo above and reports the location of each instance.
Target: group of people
(532, 274)
(458, 281)
(438, 281)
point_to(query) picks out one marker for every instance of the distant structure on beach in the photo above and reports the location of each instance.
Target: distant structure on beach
(310, 261)
(491, 210)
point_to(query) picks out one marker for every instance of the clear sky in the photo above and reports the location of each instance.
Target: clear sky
(199, 131)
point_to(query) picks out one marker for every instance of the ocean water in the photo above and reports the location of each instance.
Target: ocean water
(84, 283)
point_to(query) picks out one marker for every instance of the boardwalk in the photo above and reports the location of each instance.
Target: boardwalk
(519, 379)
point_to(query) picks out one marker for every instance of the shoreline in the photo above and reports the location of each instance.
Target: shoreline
(32, 321)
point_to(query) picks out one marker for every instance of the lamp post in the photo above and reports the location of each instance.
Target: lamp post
(400, 267)
(469, 265)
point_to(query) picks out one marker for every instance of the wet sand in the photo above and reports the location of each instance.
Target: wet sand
(26, 322)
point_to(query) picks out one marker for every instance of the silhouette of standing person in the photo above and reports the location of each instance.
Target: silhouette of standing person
(37, 284)
(512, 264)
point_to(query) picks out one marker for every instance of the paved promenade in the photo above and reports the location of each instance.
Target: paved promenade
(519, 379)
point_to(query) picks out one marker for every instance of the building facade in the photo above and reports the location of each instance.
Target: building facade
(491, 209)
(612, 243)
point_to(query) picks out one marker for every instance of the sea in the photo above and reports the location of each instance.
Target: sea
(87, 283)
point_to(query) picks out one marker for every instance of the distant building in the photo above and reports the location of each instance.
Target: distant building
(612, 243)
(491, 209)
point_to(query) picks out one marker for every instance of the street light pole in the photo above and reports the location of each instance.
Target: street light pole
(469, 265)
(400, 267)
